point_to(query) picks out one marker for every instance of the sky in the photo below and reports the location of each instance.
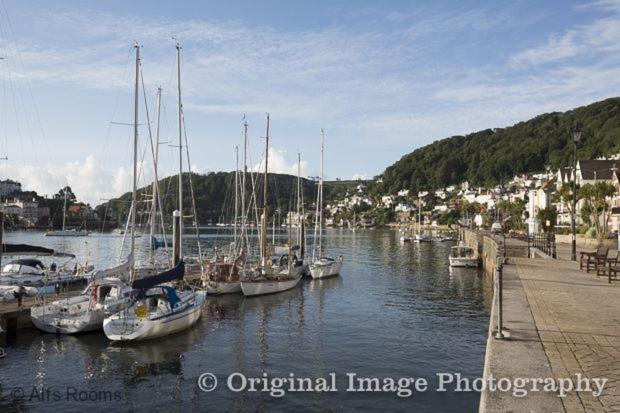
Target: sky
(382, 78)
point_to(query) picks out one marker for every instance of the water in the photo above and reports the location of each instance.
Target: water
(396, 311)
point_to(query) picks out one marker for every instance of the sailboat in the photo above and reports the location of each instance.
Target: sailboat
(158, 308)
(268, 277)
(322, 266)
(223, 273)
(64, 232)
(106, 294)
(420, 237)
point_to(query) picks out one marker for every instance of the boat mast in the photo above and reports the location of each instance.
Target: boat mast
(180, 183)
(298, 197)
(321, 198)
(236, 195)
(64, 209)
(155, 189)
(265, 205)
(245, 168)
(134, 193)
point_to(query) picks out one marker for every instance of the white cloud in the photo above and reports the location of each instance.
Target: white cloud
(278, 163)
(89, 180)
(598, 36)
(356, 177)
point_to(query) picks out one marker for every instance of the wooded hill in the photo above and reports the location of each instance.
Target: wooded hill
(493, 156)
(215, 196)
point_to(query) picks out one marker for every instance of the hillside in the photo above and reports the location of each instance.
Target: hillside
(215, 196)
(491, 156)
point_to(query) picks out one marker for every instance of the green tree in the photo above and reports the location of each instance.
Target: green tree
(597, 206)
(547, 214)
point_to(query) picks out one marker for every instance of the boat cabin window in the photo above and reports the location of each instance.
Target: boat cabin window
(14, 268)
(104, 292)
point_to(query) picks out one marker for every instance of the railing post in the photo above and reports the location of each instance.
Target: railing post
(499, 277)
(529, 254)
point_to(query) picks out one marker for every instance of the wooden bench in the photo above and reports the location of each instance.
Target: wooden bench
(592, 260)
(613, 271)
(603, 268)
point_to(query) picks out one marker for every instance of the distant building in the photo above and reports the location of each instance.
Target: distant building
(591, 171)
(26, 210)
(9, 187)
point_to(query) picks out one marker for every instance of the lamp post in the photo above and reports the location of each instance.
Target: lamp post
(576, 136)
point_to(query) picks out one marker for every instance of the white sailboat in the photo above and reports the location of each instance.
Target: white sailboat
(419, 236)
(64, 232)
(158, 309)
(269, 277)
(322, 266)
(106, 294)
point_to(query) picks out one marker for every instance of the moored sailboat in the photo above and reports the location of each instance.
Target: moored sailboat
(268, 277)
(159, 308)
(322, 266)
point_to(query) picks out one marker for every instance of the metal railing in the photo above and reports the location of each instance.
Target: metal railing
(499, 295)
(543, 242)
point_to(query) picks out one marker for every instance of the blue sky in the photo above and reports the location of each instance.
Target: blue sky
(382, 78)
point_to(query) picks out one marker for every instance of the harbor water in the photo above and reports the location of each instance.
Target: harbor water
(396, 311)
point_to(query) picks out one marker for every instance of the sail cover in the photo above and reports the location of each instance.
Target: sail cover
(173, 274)
(25, 249)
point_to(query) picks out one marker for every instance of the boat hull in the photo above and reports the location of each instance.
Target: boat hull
(463, 262)
(116, 328)
(51, 323)
(61, 233)
(262, 287)
(325, 270)
(222, 287)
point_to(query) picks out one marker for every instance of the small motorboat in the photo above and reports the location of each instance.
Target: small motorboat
(462, 256)
(421, 238)
(326, 267)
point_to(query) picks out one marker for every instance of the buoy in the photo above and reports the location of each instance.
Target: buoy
(341, 258)
(2, 353)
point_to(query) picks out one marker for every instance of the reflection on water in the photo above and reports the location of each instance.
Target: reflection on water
(396, 311)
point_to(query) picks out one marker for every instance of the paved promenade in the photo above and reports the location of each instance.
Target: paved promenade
(560, 321)
(577, 316)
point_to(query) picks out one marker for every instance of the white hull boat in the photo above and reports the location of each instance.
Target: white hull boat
(325, 267)
(269, 286)
(464, 262)
(138, 323)
(463, 257)
(222, 287)
(70, 316)
(104, 296)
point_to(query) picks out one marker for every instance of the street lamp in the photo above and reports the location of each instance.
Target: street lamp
(576, 135)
